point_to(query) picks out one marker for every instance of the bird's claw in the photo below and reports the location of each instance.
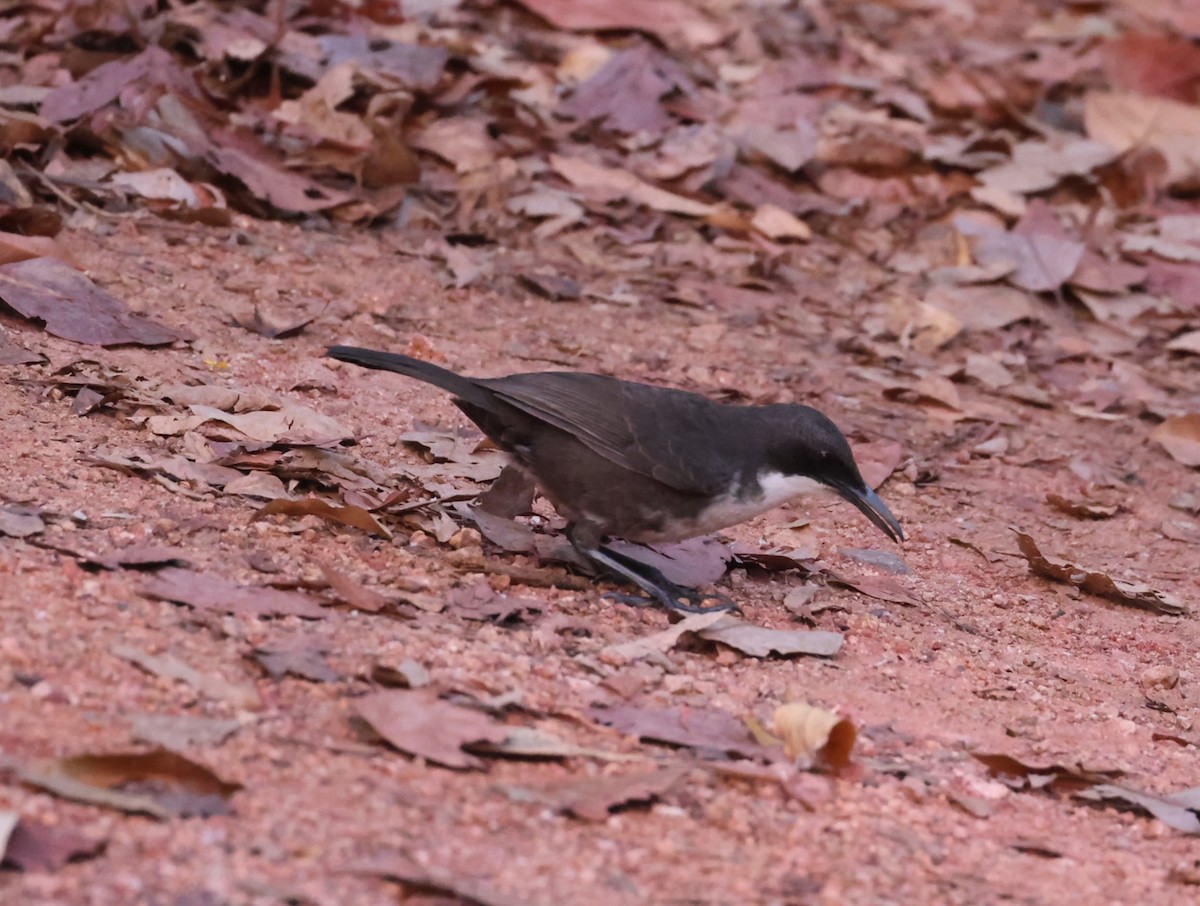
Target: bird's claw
(679, 599)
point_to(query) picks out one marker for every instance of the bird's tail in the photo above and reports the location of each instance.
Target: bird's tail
(462, 387)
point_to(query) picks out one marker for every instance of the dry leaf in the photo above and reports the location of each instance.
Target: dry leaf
(707, 729)
(180, 732)
(417, 722)
(353, 516)
(665, 640)
(435, 885)
(31, 846)
(1098, 583)
(621, 184)
(352, 593)
(1180, 811)
(75, 308)
(209, 684)
(593, 799)
(811, 732)
(20, 521)
(759, 641)
(1180, 436)
(1129, 121)
(208, 592)
(302, 659)
(1053, 778)
(670, 20)
(1082, 509)
(158, 783)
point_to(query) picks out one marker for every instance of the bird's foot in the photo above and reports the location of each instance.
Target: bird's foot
(678, 599)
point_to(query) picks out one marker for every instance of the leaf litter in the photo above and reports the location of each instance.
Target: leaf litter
(1069, 288)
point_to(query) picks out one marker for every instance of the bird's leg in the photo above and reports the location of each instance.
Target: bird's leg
(650, 580)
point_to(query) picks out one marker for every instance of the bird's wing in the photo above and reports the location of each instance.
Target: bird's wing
(636, 426)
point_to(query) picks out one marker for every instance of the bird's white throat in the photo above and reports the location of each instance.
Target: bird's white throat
(730, 509)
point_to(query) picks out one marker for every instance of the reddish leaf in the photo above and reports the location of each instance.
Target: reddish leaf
(696, 728)
(594, 799)
(40, 847)
(74, 308)
(417, 722)
(159, 783)
(208, 592)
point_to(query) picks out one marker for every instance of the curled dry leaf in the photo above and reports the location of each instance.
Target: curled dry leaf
(1097, 583)
(1180, 437)
(353, 516)
(811, 732)
(159, 783)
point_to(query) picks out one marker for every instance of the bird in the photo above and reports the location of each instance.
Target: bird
(648, 464)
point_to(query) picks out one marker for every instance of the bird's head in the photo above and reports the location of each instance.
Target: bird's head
(811, 446)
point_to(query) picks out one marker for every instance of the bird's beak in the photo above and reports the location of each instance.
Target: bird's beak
(873, 508)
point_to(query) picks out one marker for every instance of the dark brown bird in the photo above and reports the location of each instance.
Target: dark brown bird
(648, 464)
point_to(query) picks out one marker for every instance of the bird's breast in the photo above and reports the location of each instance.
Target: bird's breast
(737, 505)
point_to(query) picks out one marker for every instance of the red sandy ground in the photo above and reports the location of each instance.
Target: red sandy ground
(995, 660)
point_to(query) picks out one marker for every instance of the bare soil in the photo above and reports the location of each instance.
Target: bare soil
(993, 661)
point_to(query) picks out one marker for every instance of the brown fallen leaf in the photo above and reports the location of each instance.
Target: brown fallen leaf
(302, 659)
(15, 247)
(75, 308)
(594, 799)
(1052, 778)
(1180, 437)
(759, 641)
(694, 563)
(158, 783)
(256, 323)
(815, 733)
(529, 742)
(208, 592)
(180, 732)
(437, 885)
(27, 845)
(706, 729)
(1180, 811)
(1127, 121)
(20, 521)
(510, 495)
(504, 532)
(418, 723)
(353, 516)
(670, 20)
(1082, 509)
(210, 684)
(137, 556)
(665, 640)
(351, 592)
(878, 460)
(880, 588)
(14, 354)
(1097, 583)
